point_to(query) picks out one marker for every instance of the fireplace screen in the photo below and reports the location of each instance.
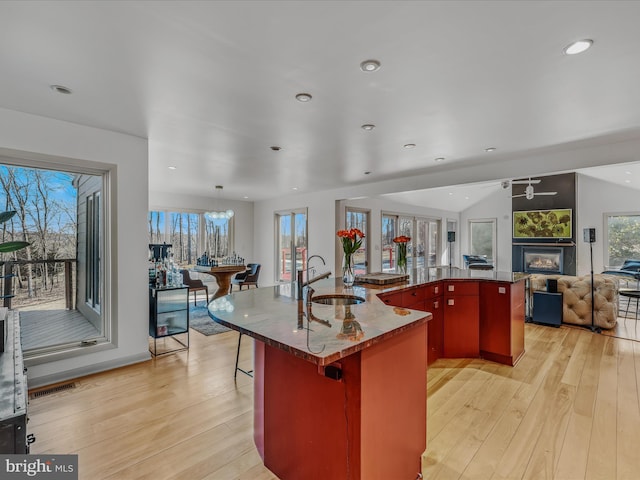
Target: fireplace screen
(548, 260)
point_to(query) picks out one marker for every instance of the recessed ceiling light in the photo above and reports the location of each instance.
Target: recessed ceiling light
(490, 149)
(275, 148)
(304, 97)
(368, 127)
(409, 145)
(171, 167)
(450, 193)
(466, 198)
(245, 197)
(578, 47)
(295, 188)
(370, 65)
(61, 89)
(439, 159)
(627, 172)
(627, 181)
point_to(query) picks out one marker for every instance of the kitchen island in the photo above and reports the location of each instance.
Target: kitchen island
(339, 390)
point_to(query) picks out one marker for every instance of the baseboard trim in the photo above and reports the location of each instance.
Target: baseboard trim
(67, 375)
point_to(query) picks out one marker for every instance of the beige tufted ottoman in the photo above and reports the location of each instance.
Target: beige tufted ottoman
(576, 298)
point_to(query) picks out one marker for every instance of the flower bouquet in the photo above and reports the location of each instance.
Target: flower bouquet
(351, 242)
(401, 243)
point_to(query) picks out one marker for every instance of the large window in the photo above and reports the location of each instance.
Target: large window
(482, 238)
(424, 248)
(356, 218)
(623, 238)
(57, 282)
(191, 234)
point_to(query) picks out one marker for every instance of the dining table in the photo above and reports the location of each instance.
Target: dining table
(223, 275)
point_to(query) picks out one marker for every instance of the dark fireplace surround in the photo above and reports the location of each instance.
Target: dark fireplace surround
(549, 250)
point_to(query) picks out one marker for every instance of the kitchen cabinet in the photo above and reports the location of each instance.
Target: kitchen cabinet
(502, 317)
(461, 320)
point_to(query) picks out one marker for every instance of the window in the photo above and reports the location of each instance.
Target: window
(59, 279)
(359, 219)
(183, 232)
(482, 238)
(623, 238)
(291, 244)
(424, 248)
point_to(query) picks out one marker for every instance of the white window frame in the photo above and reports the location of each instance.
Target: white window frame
(494, 243)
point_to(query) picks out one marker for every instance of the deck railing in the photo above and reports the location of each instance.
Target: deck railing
(43, 284)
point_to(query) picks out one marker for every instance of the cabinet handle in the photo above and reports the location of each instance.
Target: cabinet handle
(414, 294)
(436, 304)
(435, 290)
(451, 302)
(452, 288)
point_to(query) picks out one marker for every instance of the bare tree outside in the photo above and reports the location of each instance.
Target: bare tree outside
(45, 202)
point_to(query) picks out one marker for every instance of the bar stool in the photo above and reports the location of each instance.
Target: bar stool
(246, 372)
(630, 294)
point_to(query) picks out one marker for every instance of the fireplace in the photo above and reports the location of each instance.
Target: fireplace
(542, 260)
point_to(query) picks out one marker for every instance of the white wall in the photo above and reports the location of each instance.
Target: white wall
(242, 219)
(323, 225)
(56, 143)
(498, 206)
(595, 199)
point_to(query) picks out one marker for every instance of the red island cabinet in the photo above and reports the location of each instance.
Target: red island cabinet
(435, 327)
(461, 319)
(502, 321)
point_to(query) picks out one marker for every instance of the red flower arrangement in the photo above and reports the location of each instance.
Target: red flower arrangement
(402, 239)
(351, 240)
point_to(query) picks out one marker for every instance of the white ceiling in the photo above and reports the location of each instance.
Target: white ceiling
(212, 85)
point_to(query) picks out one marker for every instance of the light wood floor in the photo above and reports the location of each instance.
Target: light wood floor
(569, 410)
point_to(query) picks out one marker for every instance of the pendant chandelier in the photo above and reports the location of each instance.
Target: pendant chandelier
(219, 214)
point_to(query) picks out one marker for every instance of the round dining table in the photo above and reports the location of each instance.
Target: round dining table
(223, 275)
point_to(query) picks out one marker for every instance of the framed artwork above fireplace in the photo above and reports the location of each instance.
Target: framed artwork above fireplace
(555, 224)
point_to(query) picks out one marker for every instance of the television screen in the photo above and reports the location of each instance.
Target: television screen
(542, 224)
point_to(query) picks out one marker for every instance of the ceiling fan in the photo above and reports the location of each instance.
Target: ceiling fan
(529, 193)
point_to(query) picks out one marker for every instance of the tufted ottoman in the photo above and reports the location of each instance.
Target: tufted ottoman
(576, 298)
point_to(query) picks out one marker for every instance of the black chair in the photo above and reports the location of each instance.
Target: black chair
(250, 277)
(194, 285)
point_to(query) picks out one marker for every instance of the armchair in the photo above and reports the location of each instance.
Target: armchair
(249, 277)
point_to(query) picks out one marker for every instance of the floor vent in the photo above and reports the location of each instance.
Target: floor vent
(49, 391)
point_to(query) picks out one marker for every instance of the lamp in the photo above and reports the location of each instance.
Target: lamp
(216, 214)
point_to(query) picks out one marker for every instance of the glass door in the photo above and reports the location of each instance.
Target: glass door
(360, 219)
(291, 244)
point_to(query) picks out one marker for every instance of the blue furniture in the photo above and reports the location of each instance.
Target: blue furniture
(547, 308)
(476, 262)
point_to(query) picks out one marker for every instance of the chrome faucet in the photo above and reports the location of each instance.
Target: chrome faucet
(302, 283)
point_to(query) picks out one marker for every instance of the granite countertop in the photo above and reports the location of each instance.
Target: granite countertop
(274, 316)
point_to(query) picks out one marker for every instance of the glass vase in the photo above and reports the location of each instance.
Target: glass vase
(401, 255)
(348, 277)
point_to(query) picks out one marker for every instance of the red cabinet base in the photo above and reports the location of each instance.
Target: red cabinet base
(371, 424)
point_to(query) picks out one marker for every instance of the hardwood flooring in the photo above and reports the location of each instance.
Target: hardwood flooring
(569, 410)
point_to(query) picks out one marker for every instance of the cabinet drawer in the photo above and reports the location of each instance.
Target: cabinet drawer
(413, 296)
(394, 299)
(174, 299)
(461, 288)
(433, 290)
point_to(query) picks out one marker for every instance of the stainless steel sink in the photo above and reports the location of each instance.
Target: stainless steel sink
(337, 299)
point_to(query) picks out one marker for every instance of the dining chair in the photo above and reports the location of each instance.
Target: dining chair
(194, 285)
